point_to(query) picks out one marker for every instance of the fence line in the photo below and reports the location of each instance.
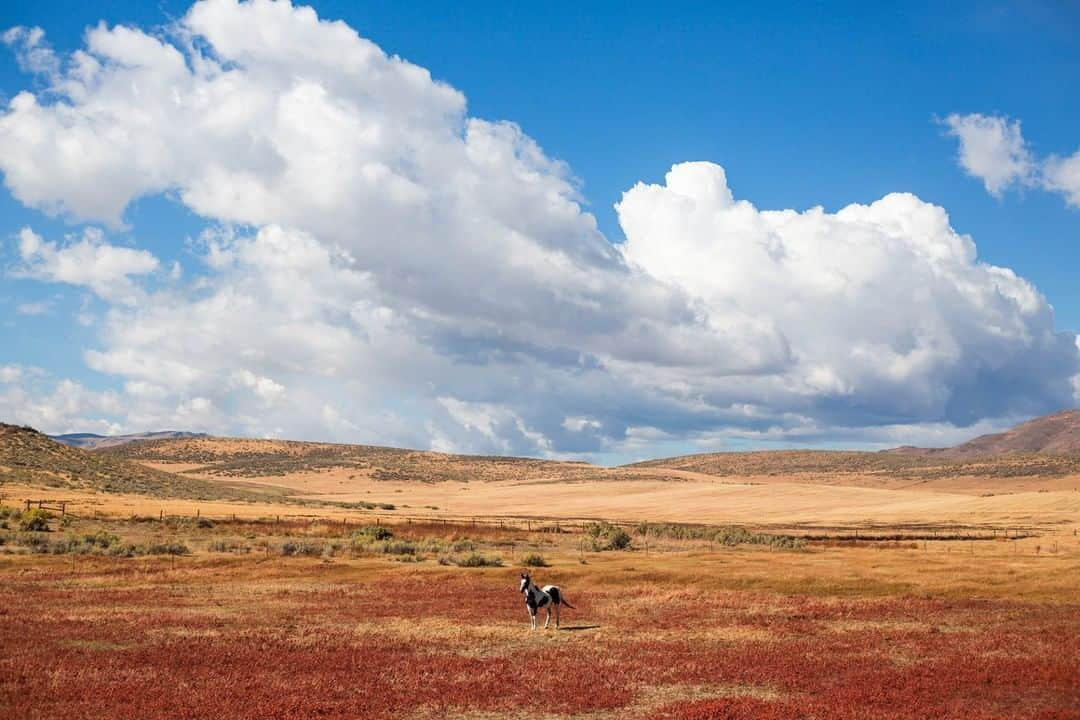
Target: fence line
(867, 532)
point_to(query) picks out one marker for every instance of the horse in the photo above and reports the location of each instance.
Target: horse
(542, 597)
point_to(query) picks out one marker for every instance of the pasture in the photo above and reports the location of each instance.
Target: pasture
(178, 617)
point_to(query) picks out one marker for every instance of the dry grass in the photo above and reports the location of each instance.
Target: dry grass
(684, 630)
(872, 636)
(678, 626)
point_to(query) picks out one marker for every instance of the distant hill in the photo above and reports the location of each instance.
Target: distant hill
(248, 458)
(1056, 434)
(33, 458)
(1048, 446)
(91, 441)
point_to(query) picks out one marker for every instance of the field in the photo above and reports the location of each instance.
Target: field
(352, 626)
(824, 586)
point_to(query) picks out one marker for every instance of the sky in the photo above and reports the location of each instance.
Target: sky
(601, 231)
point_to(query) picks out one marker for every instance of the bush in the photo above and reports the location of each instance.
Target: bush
(463, 545)
(401, 547)
(100, 539)
(172, 548)
(477, 560)
(375, 532)
(534, 560)
(36, 520)
(36, 543)
(204, 523)
(605, 536)
(291, 549)
(223, 546)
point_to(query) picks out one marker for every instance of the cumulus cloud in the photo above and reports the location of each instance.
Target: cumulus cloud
(887, 311)
(993, 149)
(1062, 175)
(31, 51)
(378, 266)
(88, 262)
(59, 407)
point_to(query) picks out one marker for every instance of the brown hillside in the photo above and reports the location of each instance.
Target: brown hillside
(818, 465)
(28, 457)
(1055, 434)
(243, 458)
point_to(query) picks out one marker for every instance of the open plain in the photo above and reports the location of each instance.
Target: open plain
(297, 580)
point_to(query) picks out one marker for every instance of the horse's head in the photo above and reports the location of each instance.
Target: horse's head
(525, 582)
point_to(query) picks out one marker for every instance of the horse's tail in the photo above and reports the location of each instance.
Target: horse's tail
(567, 603)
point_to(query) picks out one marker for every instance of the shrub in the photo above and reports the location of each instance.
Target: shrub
(463, 545)
(386, 506)
(172, 548)
(36, 520)
(534, 560)
(478, 560)
(204, 523)
(375, 532)
(36, 543)
(100, 539)
(605, 536)
(290, 549)
(400, 547)
(223, 546)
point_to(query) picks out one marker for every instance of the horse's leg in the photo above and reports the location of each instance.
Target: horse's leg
(532, 616)
(548, 620)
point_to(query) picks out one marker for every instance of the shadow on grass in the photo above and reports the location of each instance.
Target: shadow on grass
(574, 628)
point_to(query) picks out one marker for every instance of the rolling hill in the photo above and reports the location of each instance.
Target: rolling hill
(28, 457)
(1056, 434)
(1047, 446)
(245, 458)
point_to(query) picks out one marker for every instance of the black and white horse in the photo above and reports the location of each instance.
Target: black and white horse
(542, 597)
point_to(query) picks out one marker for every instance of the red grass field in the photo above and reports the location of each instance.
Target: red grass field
(300, 638)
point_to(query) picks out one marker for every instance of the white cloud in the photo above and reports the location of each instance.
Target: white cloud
(89, 262)
(32, 52)
(65, 406)
(885, 308)
(263, 387)
(42, 307)
(380, 267)
(1062, 175)
(993, 149)
(10, 374)
(578, 424)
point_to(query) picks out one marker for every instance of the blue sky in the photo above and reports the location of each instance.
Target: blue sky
(802, 107)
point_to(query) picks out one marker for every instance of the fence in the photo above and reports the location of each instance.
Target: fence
(868, 532)
(59, 506)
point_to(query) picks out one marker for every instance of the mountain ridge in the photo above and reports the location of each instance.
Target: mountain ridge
(93, 441)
